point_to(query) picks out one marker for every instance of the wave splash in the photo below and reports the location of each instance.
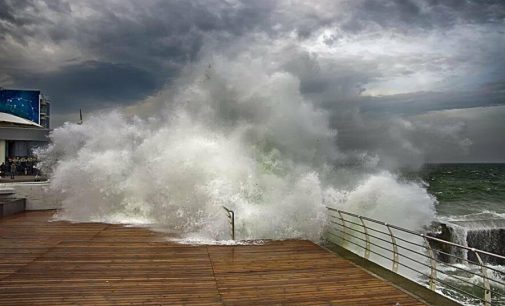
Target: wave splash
(238, 134)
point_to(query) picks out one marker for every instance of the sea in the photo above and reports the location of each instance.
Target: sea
(471, 212)
(467, 191)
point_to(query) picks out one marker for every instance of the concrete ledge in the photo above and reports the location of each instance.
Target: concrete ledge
(12, 206)
(409, 286)
(38, 195)
(4, 192)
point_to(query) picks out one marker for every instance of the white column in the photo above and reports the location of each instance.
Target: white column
(2, 151)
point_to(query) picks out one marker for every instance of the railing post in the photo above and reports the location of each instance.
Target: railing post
(395, 249)
(344, 231)
(485, 279)
(231, 219)
(367, 245)
(433, 264)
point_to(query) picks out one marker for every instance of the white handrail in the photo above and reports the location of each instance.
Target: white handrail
(350, 232)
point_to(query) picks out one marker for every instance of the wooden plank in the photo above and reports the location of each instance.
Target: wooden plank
(62, 263)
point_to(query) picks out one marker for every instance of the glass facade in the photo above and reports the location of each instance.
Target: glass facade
(21, 103)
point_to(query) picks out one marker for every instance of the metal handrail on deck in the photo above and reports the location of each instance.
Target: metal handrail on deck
(231, 219)
(382, 239)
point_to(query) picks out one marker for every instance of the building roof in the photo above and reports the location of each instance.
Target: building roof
(12, 119)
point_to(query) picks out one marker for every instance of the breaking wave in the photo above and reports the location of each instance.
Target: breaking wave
(237, 133)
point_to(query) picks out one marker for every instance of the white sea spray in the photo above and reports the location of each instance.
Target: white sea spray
(237, 133)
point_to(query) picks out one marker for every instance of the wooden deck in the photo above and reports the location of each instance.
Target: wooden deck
(57, 263)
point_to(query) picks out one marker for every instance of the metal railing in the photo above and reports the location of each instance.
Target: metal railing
(231, 218)
(459, 278)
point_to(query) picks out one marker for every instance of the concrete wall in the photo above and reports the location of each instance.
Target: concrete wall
(11, 207)
(37, 194)
(28, 134)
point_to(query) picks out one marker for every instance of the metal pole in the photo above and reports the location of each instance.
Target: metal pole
(231, 219)
(367, 245)
(433, 264)
(343, 224)
(395, 249)
(485, 279)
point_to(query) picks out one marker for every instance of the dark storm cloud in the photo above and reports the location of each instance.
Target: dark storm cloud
(89, 54)
(14, 22)
(133, 48)
(93, 84)
(154, 32)
(405, 15)
(9, 11)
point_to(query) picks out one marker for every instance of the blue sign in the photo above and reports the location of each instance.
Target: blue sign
(22, 103)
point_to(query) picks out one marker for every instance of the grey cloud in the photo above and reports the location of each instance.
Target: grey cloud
(403, 15)
(421, 102)
(387, 126)
(19, 20)
(386, 131)
(338, 78)
(94, 84)
(10, 11)
(130, 50)
(483, 126)
(156, 38)
(480, 11)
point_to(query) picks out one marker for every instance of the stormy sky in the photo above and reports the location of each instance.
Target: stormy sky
(426, 76)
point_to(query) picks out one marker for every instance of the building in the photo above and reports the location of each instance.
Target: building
(24, 122)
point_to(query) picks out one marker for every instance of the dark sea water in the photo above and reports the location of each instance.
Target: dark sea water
(467, 191)
(471, 207)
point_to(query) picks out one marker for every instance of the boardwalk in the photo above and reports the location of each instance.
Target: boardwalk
(57, 263)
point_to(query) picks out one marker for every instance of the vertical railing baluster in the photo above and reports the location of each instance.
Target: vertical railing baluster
(485, 279)
(231, 219)
(395, 249)
(344, 231)
(433, 264)
(367, 238)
